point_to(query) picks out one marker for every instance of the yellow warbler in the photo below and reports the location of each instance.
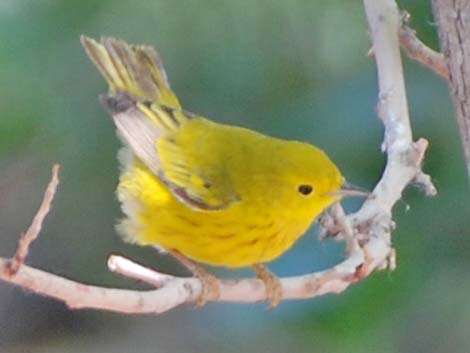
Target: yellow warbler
(214, 193)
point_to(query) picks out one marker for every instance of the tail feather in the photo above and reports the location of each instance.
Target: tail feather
(137, 70)
(140, 100)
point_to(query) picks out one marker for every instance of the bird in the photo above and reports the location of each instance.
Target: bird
(203, 191)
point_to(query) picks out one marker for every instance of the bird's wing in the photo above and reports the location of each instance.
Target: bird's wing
(174, 150)
(148, 118)
(196, 167)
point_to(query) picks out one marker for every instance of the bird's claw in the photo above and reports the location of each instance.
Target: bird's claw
(272, 285)
(210, 288)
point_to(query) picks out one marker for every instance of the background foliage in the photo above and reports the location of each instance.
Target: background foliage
(295, 69)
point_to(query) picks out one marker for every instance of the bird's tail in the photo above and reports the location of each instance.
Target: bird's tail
(135, 69)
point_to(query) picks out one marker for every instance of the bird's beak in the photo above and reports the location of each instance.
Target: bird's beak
(350, 190)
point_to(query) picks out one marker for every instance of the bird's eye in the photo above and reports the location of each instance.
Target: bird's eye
(305, 189)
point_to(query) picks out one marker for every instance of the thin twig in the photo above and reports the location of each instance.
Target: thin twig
(34, 229)
(127, 268)
(418, 51)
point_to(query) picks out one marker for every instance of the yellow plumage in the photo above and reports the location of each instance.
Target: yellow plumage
(218, 194)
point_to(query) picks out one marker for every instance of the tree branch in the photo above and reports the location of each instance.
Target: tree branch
(176, 290)
(418, 51)
(404, 157)
(34, 229)
(367, 232)
(453, 19)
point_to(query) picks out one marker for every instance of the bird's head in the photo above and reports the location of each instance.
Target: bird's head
(311, 181)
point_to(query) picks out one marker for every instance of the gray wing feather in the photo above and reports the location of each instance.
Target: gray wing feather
(135, 128)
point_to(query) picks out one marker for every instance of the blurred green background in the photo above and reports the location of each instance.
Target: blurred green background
(295, 69)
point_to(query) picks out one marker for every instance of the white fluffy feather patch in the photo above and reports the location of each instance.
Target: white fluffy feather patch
(129, 227)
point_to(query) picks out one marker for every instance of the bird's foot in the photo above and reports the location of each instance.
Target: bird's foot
(272, 284)
(210, 284)
(210, 287)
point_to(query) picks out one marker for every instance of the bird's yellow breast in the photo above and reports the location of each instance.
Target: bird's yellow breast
(235, 237)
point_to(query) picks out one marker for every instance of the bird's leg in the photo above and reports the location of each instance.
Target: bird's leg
(210, 283)
(271, 283)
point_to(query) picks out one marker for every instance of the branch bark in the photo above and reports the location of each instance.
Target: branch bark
(176, 291)
(34, 229)
(367, 232)
(453, 19)
(418, 51)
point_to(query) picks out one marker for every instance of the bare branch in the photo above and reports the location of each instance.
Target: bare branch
(373, 221)
(418, 51)
(176, 290)
(77, 295)
(130, 269)
(34, 229)
(403, 156)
